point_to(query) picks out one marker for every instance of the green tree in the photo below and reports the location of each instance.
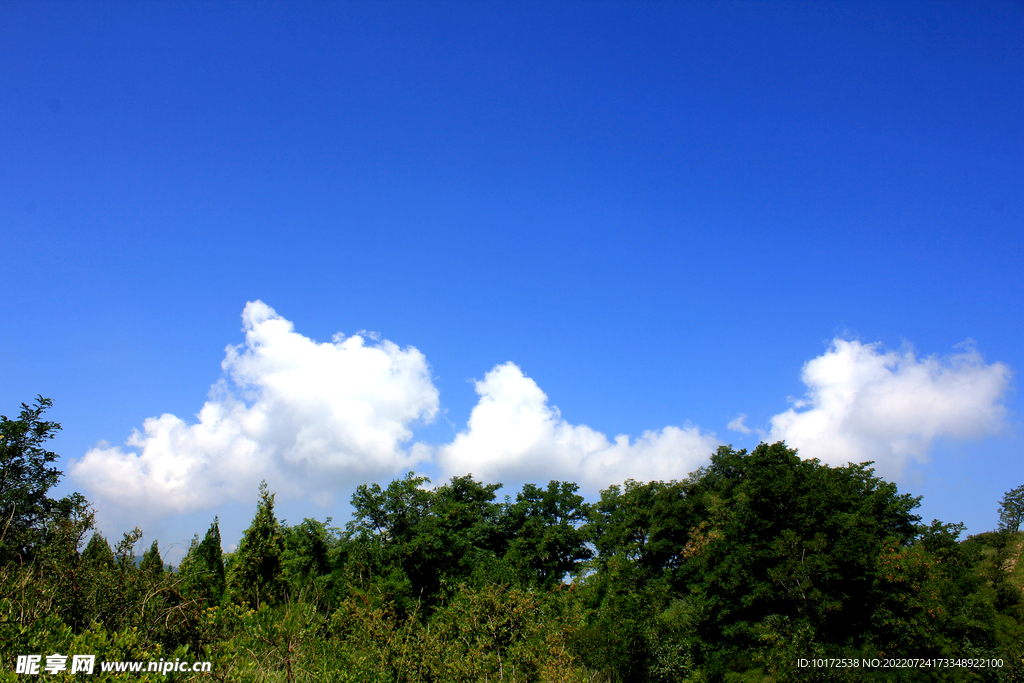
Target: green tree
(389, 514)
(413, 542)
(546, 531)
(202, 568)
(643, 523)
(458, 536)
(210, 555)
(1011, 510)
(757, 551)
(100, 582)
(784, 540)
(383, 531)
(28, 517)
(152, 565)
(98, 552)
(256, 575)
(307, 559)
(640, 531)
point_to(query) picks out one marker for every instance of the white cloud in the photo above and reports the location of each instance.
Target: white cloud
(313, 418)
(866, 404)
(308, 417)
(739, 424)
(514, 433)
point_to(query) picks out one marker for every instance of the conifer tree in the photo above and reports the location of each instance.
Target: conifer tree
(193, 578)
(98, 552)
(256, 575)
(152, 565)
(211, 557)
(99, 581)
(203, 567)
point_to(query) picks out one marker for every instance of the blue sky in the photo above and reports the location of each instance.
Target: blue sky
(663, 216)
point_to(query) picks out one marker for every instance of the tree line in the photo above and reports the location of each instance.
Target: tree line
(733, 573)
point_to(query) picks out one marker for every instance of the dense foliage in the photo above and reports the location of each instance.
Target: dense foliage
(734, 573)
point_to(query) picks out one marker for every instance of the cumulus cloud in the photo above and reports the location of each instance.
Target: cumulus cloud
(306, 416)
(514, 433)
(864, 403)
(314, 417)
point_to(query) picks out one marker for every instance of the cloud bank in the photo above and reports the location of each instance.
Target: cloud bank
(866, 404)
(307, 416)
(313, 418)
